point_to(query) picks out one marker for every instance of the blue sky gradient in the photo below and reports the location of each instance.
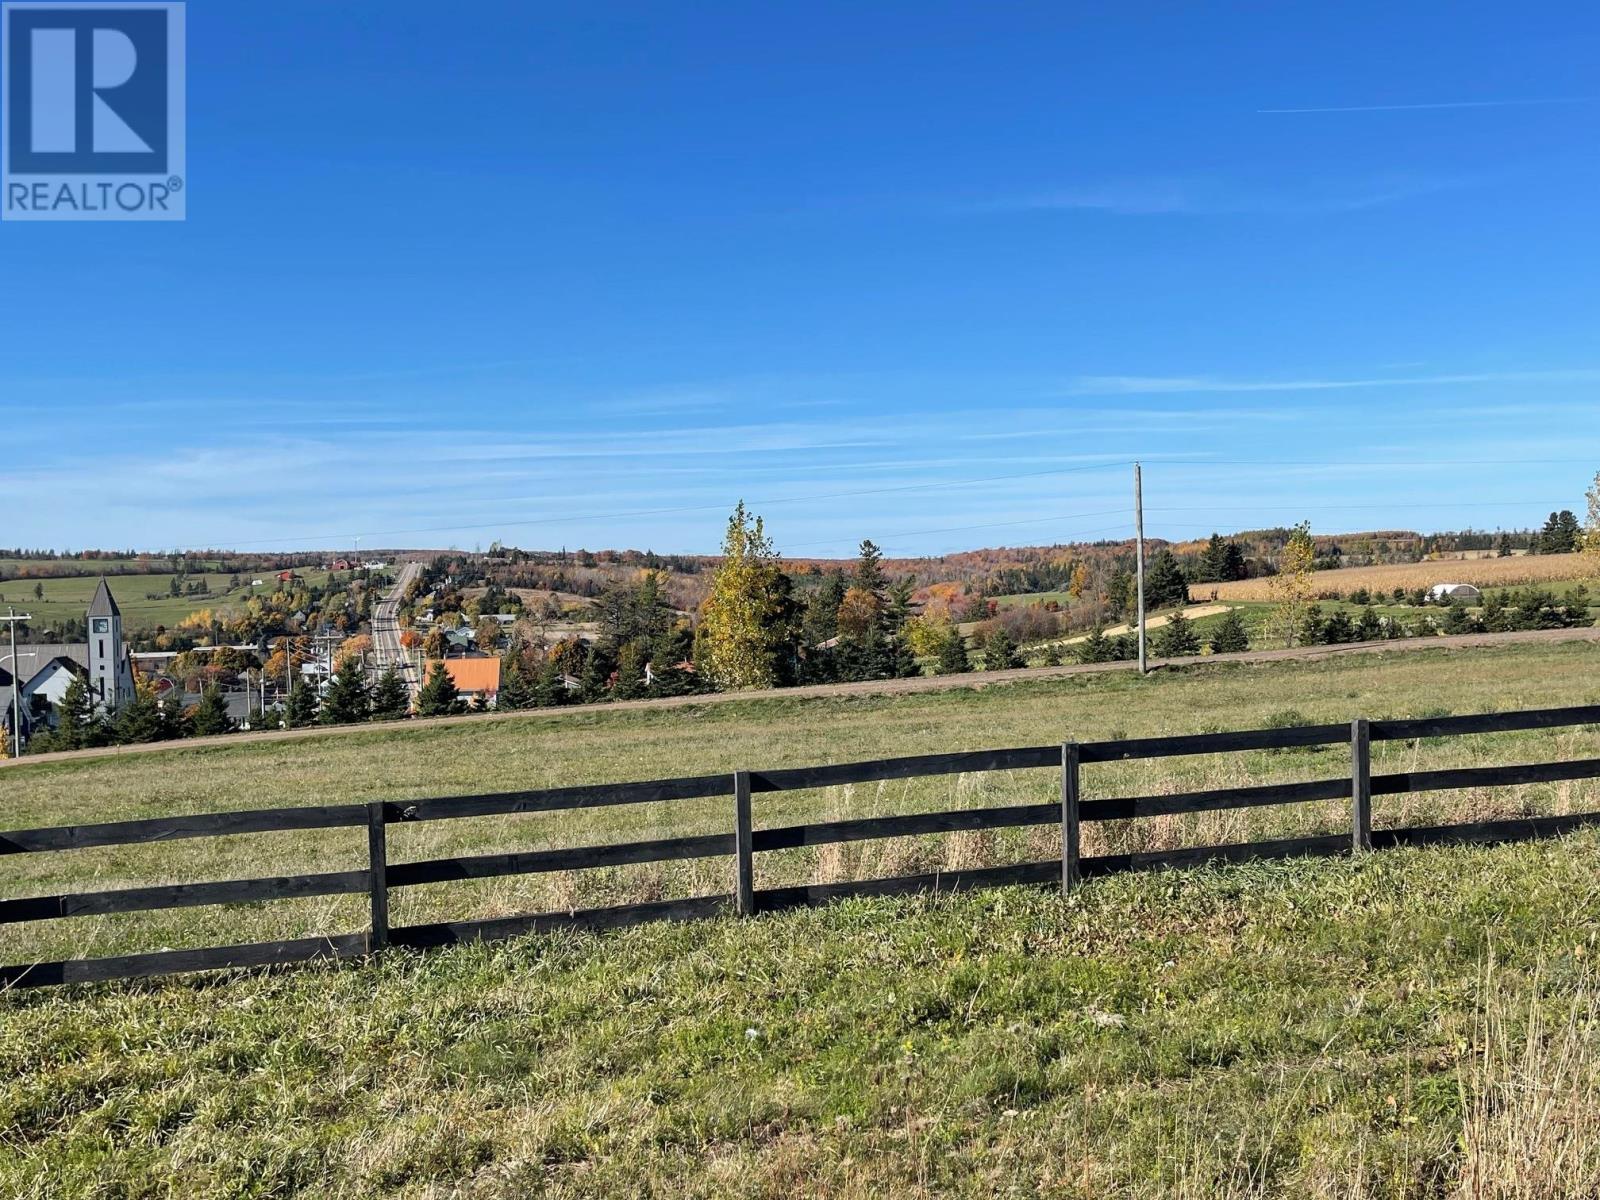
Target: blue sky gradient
(586, 275)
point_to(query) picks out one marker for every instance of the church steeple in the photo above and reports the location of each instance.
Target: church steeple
(110, 673)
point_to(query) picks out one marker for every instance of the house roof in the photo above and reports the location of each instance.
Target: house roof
(103, 604)
(472, 674)
(36, 656)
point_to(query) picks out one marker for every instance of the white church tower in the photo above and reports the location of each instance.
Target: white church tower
(110, 670)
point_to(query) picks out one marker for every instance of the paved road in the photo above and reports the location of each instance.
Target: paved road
(888, 687)
(386, 648)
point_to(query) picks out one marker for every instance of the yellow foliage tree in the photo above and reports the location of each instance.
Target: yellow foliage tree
(927, 634)
(737, 632)
(1078, 581)
(1591, 527)
(1291, 586)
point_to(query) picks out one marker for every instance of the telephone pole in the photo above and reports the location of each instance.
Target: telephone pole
(12, 617)
(1138, 555)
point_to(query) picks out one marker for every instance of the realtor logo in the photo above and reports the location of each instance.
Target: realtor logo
(91, 111)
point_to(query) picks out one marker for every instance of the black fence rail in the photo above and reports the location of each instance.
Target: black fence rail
(379, 877)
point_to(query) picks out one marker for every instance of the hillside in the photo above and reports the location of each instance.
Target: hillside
(1518, 571)
(942, 1046)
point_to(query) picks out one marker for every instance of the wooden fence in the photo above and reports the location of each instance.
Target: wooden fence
(745, 841)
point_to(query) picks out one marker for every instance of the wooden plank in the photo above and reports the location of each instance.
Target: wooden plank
(377, 877)
(1517, 829)
(598, 795)
(576, 858)
(181, 895)
(165, 829)
(1324, 845)
(1360, 786)
(905, 825)
(1465, 777)
(744, 865)
(173, 962)
(917, 766)
(1123, 808)
(1214, 743)
(447, 933)
(1071, 796)
(806, 895)
(1533, 718)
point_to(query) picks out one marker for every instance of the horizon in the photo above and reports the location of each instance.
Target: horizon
(589, 278)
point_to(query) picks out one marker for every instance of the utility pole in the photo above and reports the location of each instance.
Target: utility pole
(12, 617)
(1138, 553)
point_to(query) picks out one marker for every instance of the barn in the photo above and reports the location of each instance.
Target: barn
(1461, 593)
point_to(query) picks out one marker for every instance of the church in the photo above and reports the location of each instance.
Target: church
(34, 684)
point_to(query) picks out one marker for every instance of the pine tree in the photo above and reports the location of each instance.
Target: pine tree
(953, 659)
(1369, 628)
(1338, 629)
(1213, 561)
(516, 688)
(1233, 564)
(348, 700)
(78, 725)
(211, 714)
(1096, 648)
(548, 689)
(1052, 655)
(1177, 638)
(1230, 636)
(302, 709)
(1164, 582)
(1000, 652)
(391, 700)
(439, 696)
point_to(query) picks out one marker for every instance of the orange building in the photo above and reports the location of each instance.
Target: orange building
(473, 677)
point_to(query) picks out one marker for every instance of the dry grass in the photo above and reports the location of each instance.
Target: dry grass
(1486, 572)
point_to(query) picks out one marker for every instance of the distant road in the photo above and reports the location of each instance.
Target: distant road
(884, 687)
(386, 647)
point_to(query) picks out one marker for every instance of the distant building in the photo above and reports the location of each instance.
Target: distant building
(475, 678)
(44, 671)
(1456, 591)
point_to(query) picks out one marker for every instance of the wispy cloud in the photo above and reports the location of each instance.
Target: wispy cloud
(1195, 196)
(1372, 108)
(1143, 385)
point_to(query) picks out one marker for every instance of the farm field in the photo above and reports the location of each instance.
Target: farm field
(65, 599)
(1124, 1042)
(1516, 571)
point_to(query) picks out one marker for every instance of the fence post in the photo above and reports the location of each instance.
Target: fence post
(1360, 786)
(1070, 873)
(377, 877)
(744, 890)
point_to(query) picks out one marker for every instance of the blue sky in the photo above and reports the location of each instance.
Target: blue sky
(586, 274)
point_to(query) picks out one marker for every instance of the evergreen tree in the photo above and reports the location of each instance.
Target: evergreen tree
(78, 725)
(1164, 582)
(1052, 655)
(1310, 630)
(1096, 648)
(822, 610)
(516, 688)
(1233, 563)
(1177, 638)
(548, 689)
(439, 696)
(1000, 652)
(1213, 561)
(1369, 628)
(302, 705)
(1502, 546)
(211, 714)
(391, 700)
(1338, 629)
(1230, 636)
(348, 700)
(953, 659)
(146, 719)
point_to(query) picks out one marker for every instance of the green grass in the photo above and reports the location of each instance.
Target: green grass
(68, 598)
(1294, 1029)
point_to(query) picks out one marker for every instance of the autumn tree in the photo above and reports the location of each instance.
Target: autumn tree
(1290, 588)
(1591, 528)
(740, 636)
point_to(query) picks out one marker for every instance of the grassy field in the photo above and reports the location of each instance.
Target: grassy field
(144, 599)
(1295, 1029)
(1484, 572)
